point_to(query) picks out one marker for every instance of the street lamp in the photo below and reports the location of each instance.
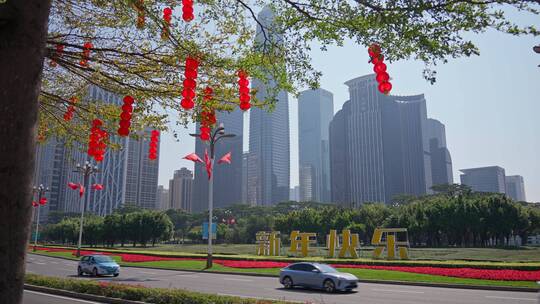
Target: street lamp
(40, 190)
(86, 170)
(218, 134)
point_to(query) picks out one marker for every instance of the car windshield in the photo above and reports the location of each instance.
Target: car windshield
(326, 268)
(103, 259)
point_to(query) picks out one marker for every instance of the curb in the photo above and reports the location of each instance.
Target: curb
(422, 284)
(76, 295)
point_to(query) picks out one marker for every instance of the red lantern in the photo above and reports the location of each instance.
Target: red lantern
(243, 83)
(187, 10)
(379, 68)
(154, 139)
(96, 143)
(141, 14)
(167, 17)
(43, 201)
(205, 133)
(34, 204)
(68, 115)
(58, 53)
(86, 54)
(126, 115)
(190, 83)
(97, 186)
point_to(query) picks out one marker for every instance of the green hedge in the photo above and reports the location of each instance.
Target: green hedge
(428, 263)
(139, 293)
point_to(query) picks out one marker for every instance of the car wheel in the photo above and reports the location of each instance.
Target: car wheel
(287, 282)
(329, 286)
(79, 271)
(94, 272)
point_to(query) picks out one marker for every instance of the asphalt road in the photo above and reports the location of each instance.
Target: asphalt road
(269, 288)
(33, 297)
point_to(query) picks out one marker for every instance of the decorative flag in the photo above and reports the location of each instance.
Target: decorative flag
(73, 186)
(225, 159)
(208, 164)
(81, 190)
(193, 157)
(97, 186)
(34, 204)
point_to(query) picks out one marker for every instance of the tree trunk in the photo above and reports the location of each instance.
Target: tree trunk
(23, 29)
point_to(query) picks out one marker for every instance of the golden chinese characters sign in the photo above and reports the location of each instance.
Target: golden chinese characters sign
(393, 241)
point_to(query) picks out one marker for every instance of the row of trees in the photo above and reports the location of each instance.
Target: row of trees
(136, 227)
(455, 217)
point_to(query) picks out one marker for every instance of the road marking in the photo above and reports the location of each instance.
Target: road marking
(394, 290)
(187, 276)
(148, 272)
(60, 297)
(509, 298)
(40, 263)
(239, 280)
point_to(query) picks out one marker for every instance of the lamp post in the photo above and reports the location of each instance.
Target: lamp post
(216, 135)
(40, 190)
(86, 170)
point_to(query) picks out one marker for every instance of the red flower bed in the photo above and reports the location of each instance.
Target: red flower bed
(470, 273)
(252, 264)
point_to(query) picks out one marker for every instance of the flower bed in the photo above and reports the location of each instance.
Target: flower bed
(461, 272)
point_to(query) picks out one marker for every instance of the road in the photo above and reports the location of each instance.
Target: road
(269, 288)
(33, 297)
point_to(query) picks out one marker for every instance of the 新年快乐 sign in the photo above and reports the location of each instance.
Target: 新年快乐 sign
(345, 244)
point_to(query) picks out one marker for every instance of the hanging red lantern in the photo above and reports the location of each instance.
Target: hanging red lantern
(126, 115)
(68, 115)
(57, 54)
(190, 83)
(86, 54)
(382, 77)
(43, 201)
(243, 83)
(167, 17)
(97, 142)
(141, 14)
(154, 139)
(187, 10)
(34, 204)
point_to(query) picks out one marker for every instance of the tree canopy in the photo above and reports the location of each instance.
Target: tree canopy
(130, 57)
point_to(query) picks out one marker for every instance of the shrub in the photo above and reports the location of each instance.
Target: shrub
(137, 292)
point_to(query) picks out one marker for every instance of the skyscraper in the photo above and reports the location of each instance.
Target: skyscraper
(269, 135)
(441, 161)
(515, 188)
(163, 201)
(227, 177)
(180, 190)
(485, 179)
(380, 145)
(57, 161)
(142, 174)
(315, 111)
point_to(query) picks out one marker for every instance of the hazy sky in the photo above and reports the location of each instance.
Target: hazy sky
(490, 105)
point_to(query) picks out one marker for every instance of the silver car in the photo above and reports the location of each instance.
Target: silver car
(97, 265)
(315, 275)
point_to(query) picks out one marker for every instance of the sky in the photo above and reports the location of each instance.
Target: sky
(490, 105)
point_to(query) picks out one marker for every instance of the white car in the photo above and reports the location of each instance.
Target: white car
(97, 265)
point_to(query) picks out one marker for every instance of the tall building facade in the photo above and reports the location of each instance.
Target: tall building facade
(379, 146)
(142, 174)
(57, 161)
(515, 188)
(315, 111)
(485, 179)
(180, 190)
(269, 145)
(163, 201)
(227, 177)
(441, 161)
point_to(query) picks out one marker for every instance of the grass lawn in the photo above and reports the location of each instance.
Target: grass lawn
(521, 254)
(367, 274)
